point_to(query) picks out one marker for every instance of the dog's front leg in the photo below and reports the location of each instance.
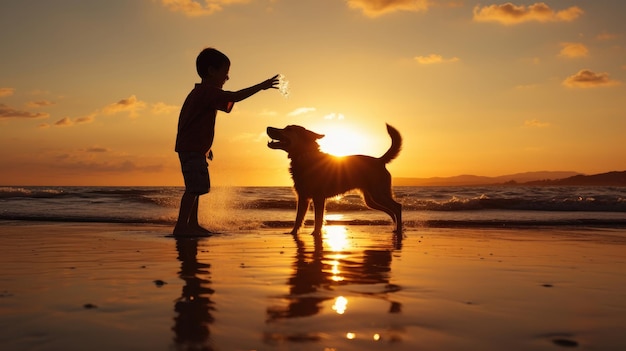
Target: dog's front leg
(319, 203)
(302, 208)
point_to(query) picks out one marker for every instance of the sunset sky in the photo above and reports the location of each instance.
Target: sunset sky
(90, 91)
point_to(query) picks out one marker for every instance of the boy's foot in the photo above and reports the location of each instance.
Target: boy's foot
(190, 232)
(201, 229)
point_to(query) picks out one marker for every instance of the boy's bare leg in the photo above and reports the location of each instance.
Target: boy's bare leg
(193, 219)
(188, 212)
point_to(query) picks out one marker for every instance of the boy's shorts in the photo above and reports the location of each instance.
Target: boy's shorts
(195, 172)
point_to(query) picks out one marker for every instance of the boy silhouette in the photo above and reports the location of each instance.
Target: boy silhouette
(196, 131)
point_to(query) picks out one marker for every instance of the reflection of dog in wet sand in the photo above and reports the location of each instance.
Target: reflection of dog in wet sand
(318, 176)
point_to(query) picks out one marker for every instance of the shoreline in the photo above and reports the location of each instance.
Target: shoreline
(100, 286)
(409, 225)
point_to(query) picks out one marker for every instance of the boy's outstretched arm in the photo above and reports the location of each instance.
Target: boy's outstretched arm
(242, 94)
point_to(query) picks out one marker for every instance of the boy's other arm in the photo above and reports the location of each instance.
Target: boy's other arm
(242, 94)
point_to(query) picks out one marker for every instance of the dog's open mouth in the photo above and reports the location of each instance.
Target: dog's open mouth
(277, 144)
(278, 140)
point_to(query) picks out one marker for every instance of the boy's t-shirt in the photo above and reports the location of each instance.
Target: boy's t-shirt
(196, 123)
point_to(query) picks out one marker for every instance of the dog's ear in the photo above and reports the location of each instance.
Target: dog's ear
(312, 135)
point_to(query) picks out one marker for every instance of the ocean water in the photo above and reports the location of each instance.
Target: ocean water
(249, 208)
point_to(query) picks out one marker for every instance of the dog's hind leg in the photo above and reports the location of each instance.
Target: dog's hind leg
(370, 202)
(383, 201)
(398, 212)
(302, 208)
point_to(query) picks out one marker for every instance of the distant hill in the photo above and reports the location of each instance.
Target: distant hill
(529, 178)
(603, 179)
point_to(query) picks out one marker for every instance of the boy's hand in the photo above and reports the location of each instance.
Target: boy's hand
(271, 83)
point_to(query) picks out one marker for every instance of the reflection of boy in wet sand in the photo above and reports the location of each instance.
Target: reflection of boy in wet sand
(194, 309)
(196, 130)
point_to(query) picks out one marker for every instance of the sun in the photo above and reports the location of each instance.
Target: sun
(341, 140)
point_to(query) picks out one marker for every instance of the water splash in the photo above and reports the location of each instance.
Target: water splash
(283, 85)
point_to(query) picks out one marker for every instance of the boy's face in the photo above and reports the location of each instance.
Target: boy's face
(219, 76)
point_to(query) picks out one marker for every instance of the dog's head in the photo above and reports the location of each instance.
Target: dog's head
(293, 139)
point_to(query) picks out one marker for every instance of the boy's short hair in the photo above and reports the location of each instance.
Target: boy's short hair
(210, 57)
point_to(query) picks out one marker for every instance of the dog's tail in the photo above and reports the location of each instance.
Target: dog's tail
(396, 145)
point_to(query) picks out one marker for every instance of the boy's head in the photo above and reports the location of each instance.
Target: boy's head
(210, 59)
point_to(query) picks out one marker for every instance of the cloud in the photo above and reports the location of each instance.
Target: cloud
(40, 103)
(6, 92)
(68, 122)
(97, 149)
(9, 112)
(301, 111)
(375, 8)
(434, 58)
(161, 108)
(589, 79)
(534, 123)
(268, 113)
(193, 8)
(509, 14)
(86, 119)
(64, 122)
(337, 116)
(605, 36)
(573, 50)
(130, 104)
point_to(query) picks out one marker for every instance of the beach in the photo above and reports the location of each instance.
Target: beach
(111, 286)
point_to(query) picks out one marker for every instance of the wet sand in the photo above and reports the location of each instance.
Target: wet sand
(78, 286)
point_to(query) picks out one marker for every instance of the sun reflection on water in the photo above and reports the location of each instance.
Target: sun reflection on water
(352, 336)
(336, 238)
(336, 273)
(334, 216)
(340, 305)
